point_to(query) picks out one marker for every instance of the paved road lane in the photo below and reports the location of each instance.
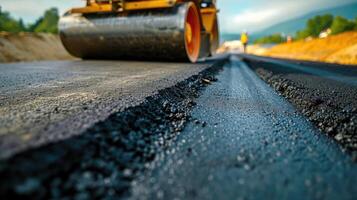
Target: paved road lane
(44, 102)
(248, 143)
(333, 72)
(325, 93)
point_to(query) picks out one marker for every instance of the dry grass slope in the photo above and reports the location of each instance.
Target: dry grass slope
(340, 49)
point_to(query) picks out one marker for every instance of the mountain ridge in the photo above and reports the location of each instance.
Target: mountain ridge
(290, 26)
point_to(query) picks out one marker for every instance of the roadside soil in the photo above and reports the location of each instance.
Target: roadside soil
(341, 49)
(24, 47)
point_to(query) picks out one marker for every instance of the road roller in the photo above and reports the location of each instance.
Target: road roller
(174, 30)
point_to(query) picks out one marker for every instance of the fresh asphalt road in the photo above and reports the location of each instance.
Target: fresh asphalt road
(342, 74)
(325, 93)
(244, 142)
(44, 102)
(247, 142)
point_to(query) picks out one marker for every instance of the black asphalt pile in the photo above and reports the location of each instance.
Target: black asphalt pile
(102, 162)
(329, 104)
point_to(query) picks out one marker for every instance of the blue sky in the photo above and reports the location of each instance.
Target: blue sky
(235, 15)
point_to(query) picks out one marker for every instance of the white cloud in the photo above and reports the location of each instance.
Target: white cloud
(235, 15)
(262, 13)
(253, 17)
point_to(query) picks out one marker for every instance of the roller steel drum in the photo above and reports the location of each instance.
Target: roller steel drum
(168, 34)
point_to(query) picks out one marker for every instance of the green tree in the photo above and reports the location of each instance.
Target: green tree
(48, 23)
(341, 24)
(302, 34)
(22, 25)
(315, 26)
(33, 26)
(9, 24)
(271, 39)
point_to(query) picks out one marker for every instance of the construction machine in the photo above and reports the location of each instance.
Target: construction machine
(177, 30)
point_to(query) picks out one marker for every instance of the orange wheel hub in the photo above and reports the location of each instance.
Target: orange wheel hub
(193, 33)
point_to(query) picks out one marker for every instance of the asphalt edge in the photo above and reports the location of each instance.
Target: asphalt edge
(113, 151)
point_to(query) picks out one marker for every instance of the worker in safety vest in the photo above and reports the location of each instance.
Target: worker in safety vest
(244, 40)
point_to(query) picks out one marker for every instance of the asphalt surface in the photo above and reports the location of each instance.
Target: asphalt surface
(101, 162)
(247, 142)
(325, 93)
(44, 102)
(135, 130)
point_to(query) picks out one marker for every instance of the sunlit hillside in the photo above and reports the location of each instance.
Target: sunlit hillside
(340, 48)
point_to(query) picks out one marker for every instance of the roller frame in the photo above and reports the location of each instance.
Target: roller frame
(207, 17)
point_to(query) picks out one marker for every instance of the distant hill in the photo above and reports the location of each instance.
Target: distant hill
(291, 26)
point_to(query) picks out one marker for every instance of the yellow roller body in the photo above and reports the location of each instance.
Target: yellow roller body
(141, 29)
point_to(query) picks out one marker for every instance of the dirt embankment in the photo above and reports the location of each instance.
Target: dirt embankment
(340, 49)
(31, 47)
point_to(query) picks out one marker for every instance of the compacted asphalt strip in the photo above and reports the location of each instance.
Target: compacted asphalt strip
(323, 92)
(324, 70)
(247, 142)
